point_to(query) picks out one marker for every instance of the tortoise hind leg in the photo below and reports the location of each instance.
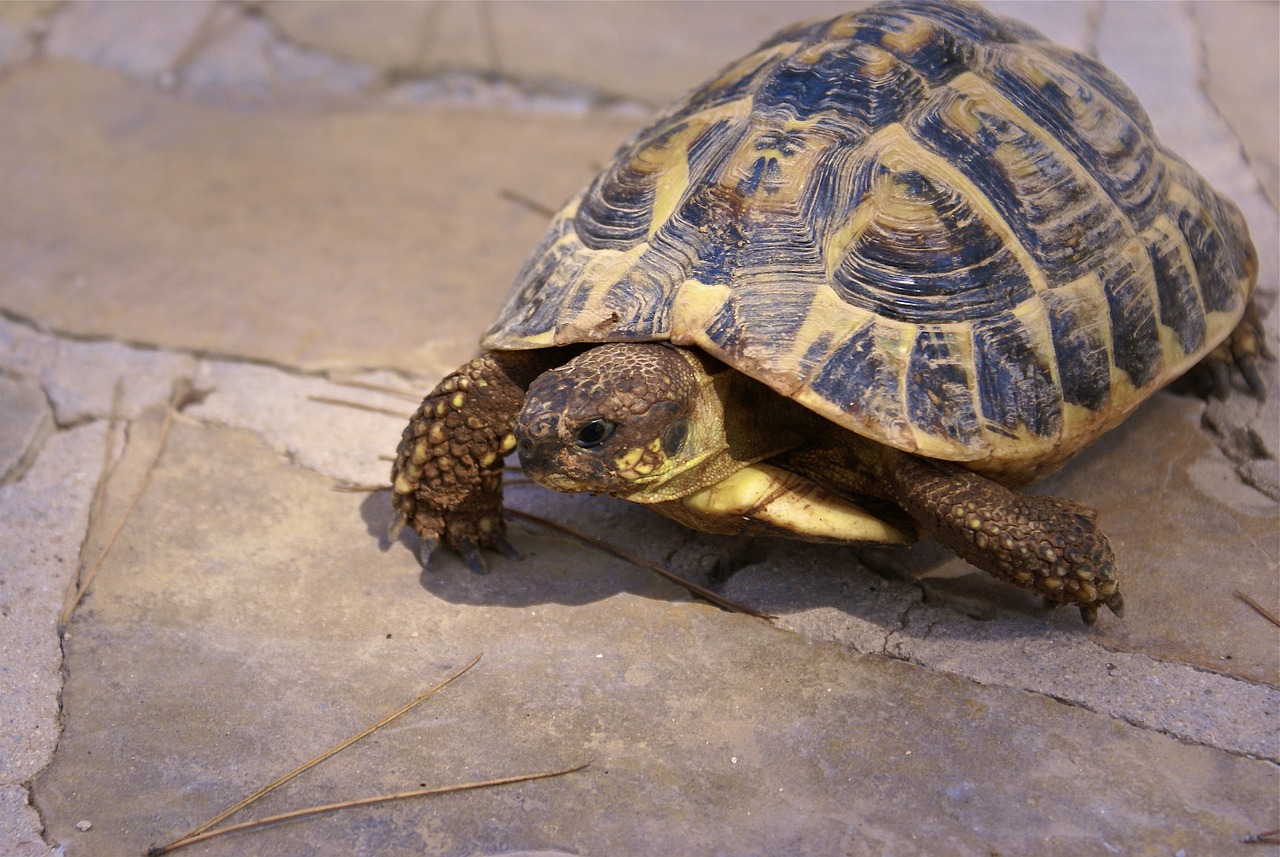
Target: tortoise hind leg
(446, 481)
(1043, 543)
(1242, 350)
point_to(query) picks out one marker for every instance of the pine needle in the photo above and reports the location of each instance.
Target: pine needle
(359, 406)
(531, 204)
(369, 801)
(408, 395)
(1264, 612)
(193, 835)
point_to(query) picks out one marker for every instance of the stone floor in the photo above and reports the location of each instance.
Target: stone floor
(266, 201)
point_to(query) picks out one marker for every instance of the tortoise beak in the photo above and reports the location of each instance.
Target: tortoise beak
(538, 458)
(540, 467)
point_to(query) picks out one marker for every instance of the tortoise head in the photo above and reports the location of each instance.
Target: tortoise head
(617, 419)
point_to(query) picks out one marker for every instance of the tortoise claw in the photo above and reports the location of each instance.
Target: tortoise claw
(1089, 613)
(471, 554)
(426, 549)
(1248, 368)
(1219, 379)
(1115, 603)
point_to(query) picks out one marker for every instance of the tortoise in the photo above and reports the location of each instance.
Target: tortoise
(862, 286)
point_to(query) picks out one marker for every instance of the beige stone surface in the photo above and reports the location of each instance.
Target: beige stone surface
(1242, 53)
(145, 39)
(635, 50)
(261, 198)
(312, 238)
(292, 632)
(44, 519)
(27, 419)
(1187, 536)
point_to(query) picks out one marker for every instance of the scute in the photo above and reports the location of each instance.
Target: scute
(923, 221)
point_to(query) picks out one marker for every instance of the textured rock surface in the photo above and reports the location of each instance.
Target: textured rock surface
(266, 201)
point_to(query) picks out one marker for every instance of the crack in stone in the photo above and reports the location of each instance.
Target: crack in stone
(36, 326)
(1203, 76)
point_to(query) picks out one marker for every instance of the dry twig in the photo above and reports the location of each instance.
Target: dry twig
(408, 395)
(359, 406)
(368, 801)
(1265, 613)
(531, 204)
(196, 834)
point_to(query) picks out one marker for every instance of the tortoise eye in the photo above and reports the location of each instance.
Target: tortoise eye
(673, 437)
(595, 432)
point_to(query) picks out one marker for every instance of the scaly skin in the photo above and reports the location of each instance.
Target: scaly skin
(447, 477)
(1043, 543)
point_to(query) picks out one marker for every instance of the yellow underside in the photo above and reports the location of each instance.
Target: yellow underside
(761, 494)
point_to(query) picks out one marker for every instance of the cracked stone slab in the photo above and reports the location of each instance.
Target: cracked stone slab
(80, 378)
(632, 50)
(128, 35)
(301, 237)
(20, 825)
(303, 418)
(1194, 705)
(27, 419)
(294, 631)
(1236, 78)
(43, 521)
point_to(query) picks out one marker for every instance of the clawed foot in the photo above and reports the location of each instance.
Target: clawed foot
(446, 482)
(1047, 544)
(1089, 612)
(472, 527)
(470, 550)
(1239, 353)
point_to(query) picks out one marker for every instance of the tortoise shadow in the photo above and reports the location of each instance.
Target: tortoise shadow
(554, 568)
(774, 576)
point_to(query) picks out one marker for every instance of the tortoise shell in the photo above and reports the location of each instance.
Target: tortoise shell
(927, 223)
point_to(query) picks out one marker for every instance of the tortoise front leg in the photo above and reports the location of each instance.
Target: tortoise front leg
(1043, 543)
(446, 482)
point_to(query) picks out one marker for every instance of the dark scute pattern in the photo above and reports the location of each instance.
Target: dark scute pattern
(1084, 367)
(1100, 78)
(1015, 389)
(1055, 214)
(640, 301)
(1217, 266)
(953, 268)
(711, 222)
(940, 58)
(832, 192)
(536, 304)
(842, 82)
(1180, 308)
(970, 21)
(938, 396)
(616, 211)
(766, 174)
(1117, 151)
(1135, 341)
(857, 376)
